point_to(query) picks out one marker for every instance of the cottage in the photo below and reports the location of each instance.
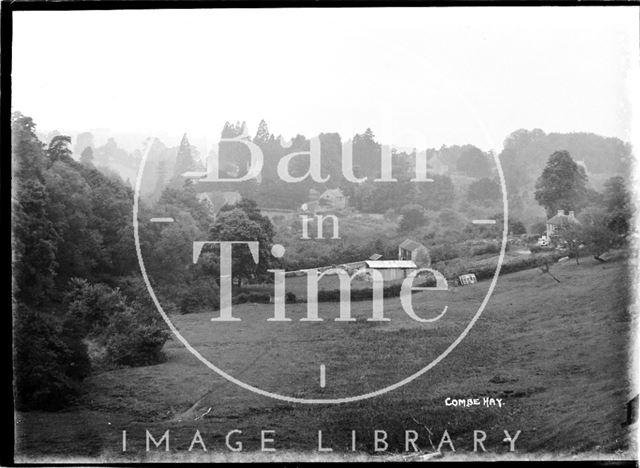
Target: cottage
(392, 269)
(555, 223)
(329, 200)
(414, 251)
(333, 199)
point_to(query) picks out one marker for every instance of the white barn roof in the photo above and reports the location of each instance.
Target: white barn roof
(390, 264)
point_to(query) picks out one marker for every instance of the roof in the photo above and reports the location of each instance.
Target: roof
(390, 264)
(375, 257)
(411, 245)
(559, 219)
(336, 192)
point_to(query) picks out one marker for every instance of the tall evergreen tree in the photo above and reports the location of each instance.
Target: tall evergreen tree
(262, 135)
(184, 159)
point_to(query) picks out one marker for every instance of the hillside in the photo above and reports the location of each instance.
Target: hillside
(533, 347)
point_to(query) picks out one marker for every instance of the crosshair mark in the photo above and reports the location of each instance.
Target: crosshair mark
(322, 376)
(484, 221)
(162, 220)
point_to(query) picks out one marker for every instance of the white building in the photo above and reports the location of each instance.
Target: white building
(555, 223)
(392, 269)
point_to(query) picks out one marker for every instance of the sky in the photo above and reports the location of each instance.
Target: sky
(417, 76)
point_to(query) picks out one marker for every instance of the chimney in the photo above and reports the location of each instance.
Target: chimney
(560, 212)
(571, 215)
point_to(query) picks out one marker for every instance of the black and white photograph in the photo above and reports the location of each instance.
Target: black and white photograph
(312, 233)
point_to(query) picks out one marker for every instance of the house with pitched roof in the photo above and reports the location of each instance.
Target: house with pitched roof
(557, 222)
(414, 251)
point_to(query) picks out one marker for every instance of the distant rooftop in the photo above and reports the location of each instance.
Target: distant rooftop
(411, 245)
(562, 218)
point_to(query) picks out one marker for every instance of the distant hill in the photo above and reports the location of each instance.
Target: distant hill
(526, 152)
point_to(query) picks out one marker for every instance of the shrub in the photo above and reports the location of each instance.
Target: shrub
(247, 295)
(290, 298)
(443, 252)
(127, 330)
(134, 289)
(199, 294)
(513, 265)
(486, 248)
(241, 298)
(260, 298)
(50, 360)
(364, 294)
(538, 228)
(91, 305)
(135, 337)
(412, 216)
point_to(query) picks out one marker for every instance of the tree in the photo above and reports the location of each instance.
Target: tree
(128, 329)
(50, 360)
(483, 191)
(34, 238)
(27, 151)
(595, 233)
(59, 149)
(617, 201)
(235, 225)
(262, 135)
(110, 152)
(562, 184)
(184, 160)
(233, 156)
(69, 220)
(79, 248)
(366, 155)
(34, 244)
(243, 222)
(436, 195)
(574, 237)
(84, 140)
(412, 216)
(87, 155)
(473, 162)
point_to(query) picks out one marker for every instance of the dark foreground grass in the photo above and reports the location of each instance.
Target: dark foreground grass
(555, 353)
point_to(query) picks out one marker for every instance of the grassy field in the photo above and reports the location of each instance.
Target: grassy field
(555, 353)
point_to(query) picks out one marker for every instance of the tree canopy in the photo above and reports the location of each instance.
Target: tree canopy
(562, 184)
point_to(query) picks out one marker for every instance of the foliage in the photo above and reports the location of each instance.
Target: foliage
(436, 195)
(49, 360)
(252, 296)
(562, 184)
(473, 163)
(70, 221)
(617, 201)
(538, 228)
(483, 191)
(412, 216)
(35, 244)
(134, 337)
(128, 328)
(92, 305)
(185, 161)
(87, 155)
(290, 298)
(243, 222)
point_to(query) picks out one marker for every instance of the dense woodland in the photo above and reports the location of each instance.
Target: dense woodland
(80, 305)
